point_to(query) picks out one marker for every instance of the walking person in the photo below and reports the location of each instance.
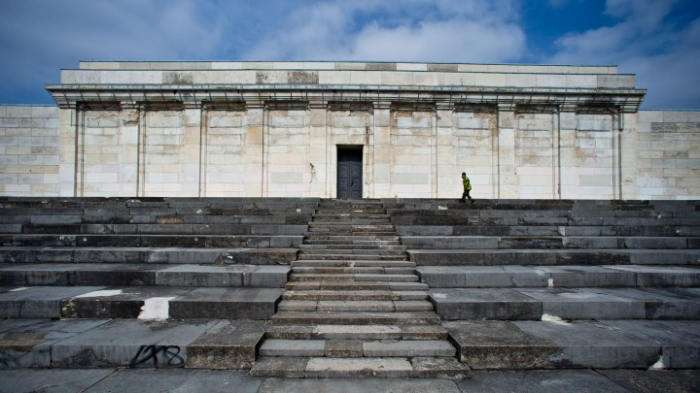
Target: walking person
(467, 188)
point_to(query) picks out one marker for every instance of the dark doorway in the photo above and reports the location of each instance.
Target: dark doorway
(350, 172)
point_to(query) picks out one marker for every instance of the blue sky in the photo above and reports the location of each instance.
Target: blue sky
(658, 40)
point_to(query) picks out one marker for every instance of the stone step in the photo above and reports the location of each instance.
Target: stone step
(351, 249)
(334, 263)
(204, 343)
(387, 277)
(303, 256)
(353, 239)
(566, 303)
(355, 318)
(357, 332)
(84, 274)
(553, 257)
(322, 367)
(351, 221)
(514, 229)
(355, 305)
(601, 344)
(549, 242)
(164, 229)
(356, 348)
(250, 256)
(142, 302)
(133, 240)
(355, 286)
(353, 270)
(354, 295)
(559, 276)
(360, 243)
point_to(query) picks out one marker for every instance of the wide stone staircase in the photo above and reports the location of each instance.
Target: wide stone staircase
(354, 306)
(313, 288)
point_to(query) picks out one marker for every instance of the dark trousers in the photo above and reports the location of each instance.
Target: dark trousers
(465, 194)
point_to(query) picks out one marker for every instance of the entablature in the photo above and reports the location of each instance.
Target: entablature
(234, 96)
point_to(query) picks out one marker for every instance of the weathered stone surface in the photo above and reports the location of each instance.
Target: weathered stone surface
(164, 380)
(584, 381)
(230, 344)
(499, 345)
(655, 380)
(344, 348)
(29, 344)
(339, 385)
(408, 348)
(26, 381)
(130, 343)
(432, 367)
(453, 304)
(292, 348)
(591, 344)
(358, 367)
(228, 303)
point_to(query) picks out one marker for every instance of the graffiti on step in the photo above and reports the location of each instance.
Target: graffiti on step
(160, 355)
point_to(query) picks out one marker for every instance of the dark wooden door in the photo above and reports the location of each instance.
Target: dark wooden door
(350, 173)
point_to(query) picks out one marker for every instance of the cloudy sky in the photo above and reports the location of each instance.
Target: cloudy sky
(658, 40)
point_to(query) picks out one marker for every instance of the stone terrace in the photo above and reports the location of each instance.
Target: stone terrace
(322, 288)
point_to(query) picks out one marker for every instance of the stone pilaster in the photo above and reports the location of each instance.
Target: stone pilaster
(254, 156)
(382, 149)
(318, 149)
(447, 175)
(629, 154)
(507, 178)
(567, 152)
(67, 134)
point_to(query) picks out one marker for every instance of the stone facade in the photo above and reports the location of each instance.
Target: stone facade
(238, 129)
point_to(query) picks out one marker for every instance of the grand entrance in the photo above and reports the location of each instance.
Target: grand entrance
(350, 172)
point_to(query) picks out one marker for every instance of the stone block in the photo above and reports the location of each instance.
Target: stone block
(121, 343)
(497, 304)
(585, 303)
(488, 345)
(234, 303)
(592, 345)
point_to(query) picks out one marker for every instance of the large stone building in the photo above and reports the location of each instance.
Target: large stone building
(329, 129)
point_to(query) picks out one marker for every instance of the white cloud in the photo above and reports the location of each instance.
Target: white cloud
(447, 31)
(642, 42)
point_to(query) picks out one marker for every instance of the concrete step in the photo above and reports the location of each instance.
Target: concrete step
(387, 277)
(142, 302)
(251, 256)
(205, 343)
(355, 286)
(602, 344)
(326, 240)
(356, 348)
(357, 332)
(566, 303)
(355, 318)
(86, 274)
(352, 248)
(354, 295)
(353, 270)
(514, 229)
(550, 242)
(311, 237)
(559, 276)
(303, 256)
(355, 305)
(180, 241)
(523, 257)
(322, 367)
(341, 263)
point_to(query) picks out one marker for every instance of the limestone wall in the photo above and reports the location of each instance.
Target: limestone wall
(668, 155)
(29, 147)
(408, 151)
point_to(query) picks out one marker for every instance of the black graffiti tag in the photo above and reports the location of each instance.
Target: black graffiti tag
(170, 353)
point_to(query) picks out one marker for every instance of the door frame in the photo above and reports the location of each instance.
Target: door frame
(361, 150)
